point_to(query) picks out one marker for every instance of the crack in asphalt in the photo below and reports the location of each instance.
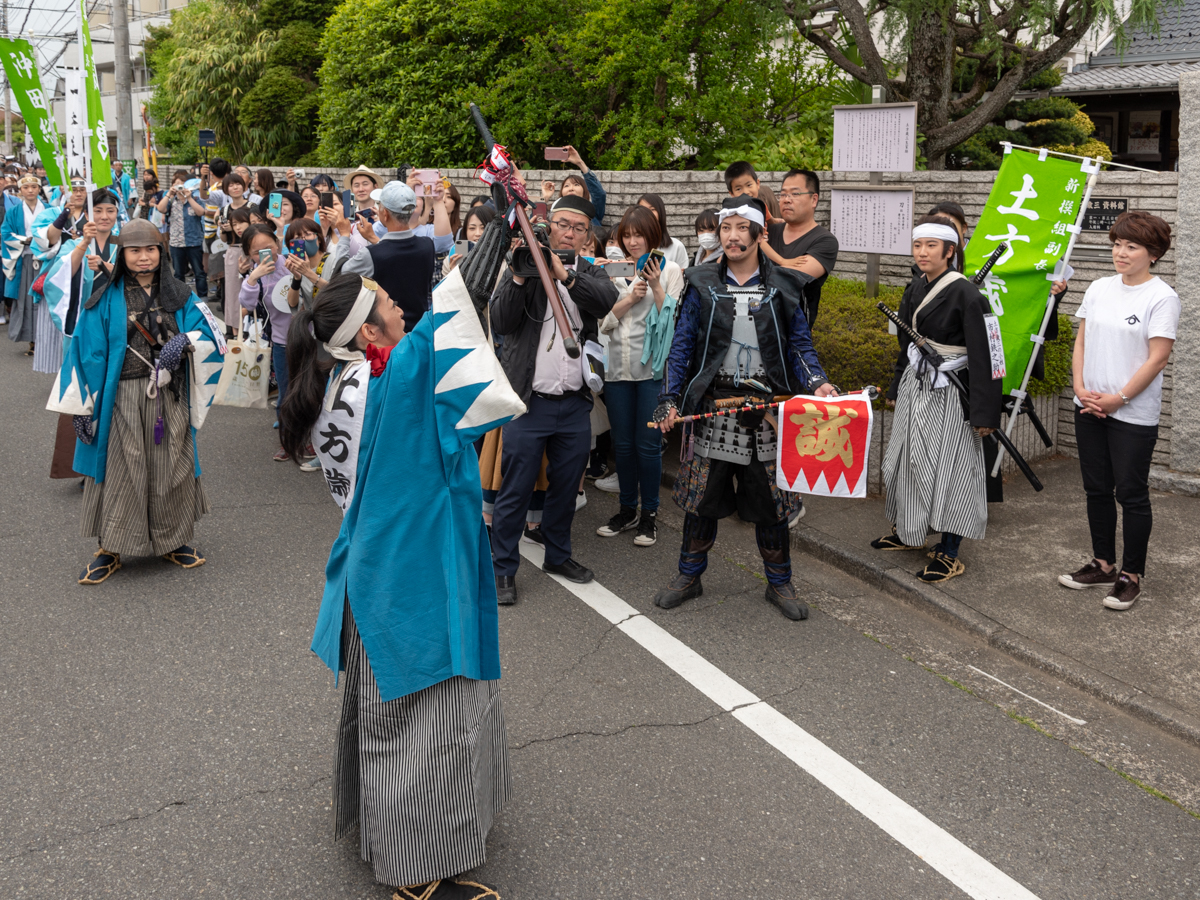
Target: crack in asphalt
(192, 802)
(637, 725)
(563, 674)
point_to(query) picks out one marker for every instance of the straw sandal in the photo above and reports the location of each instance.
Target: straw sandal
(103, 565)
(943, 568)
(892, 542)
(185, 556)
(446, 890)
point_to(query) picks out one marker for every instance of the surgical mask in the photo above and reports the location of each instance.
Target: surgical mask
(311, 246)
(709, 241)
(614, 252)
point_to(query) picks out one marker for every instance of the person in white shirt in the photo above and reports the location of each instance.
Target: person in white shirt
(637, 334)
(1127, 325)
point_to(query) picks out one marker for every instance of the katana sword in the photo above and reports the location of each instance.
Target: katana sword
(936, 360)
(1000, 250)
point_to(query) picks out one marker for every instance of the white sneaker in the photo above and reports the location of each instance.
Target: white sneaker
(580, 501)
(609, 484)
(797, 515)
(311, 465)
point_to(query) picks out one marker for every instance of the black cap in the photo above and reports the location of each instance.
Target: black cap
(576, 204)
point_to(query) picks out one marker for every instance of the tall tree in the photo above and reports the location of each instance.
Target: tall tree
(1010, 40)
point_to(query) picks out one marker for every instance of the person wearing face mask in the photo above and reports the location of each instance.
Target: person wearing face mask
(16, 235)
(138, 378)
(707, 239)
(741, 334)
(409, 614)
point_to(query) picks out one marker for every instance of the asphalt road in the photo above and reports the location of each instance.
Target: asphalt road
(168, 734)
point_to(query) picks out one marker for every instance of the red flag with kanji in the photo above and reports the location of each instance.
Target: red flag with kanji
(823, 445)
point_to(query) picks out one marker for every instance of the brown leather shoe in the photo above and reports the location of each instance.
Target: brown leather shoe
(1123, 593)
(1091, 575)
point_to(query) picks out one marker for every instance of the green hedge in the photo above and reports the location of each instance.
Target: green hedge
(852, 341)
(851, 336)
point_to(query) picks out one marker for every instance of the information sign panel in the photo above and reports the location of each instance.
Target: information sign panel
(877, 137)
(873, 219)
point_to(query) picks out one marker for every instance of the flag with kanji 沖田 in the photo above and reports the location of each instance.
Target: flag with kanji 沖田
(823, 445)
(1034, 207)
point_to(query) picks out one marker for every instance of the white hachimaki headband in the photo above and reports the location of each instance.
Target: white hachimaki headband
(746, 212)
(339, 346)
(935, 231)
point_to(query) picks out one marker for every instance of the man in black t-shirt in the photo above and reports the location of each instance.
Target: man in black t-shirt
(798, 242)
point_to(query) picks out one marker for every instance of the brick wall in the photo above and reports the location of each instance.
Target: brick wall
(687, 193)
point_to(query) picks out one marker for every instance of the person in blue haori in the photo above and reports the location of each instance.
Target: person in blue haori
(409, 609)
(139, 376)
(16, 234)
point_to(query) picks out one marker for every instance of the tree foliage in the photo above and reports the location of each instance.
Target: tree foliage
(1009, 42)
(1055, 123)
(631, 83)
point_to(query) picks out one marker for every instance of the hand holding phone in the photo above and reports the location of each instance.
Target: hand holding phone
(264, 257)
(275, 205)
(327, 198)
(296, 247)
(560, 154)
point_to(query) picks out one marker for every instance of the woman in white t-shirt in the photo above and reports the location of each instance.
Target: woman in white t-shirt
(1126, 331)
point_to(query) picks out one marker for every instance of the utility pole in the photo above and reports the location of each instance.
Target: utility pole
(124, 79)
(7, 90)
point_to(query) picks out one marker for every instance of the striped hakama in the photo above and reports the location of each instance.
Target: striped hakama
(48, 342)
(150, 498)
(21, 318)
(933, 470)
(423, 776)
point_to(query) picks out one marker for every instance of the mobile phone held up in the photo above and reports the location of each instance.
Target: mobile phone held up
(327, 198)
(275, 205)
(461, 248)
(368, 214)
(560, 154)
(619, 270)
(264, 256)
(427, 178)
(296, 247)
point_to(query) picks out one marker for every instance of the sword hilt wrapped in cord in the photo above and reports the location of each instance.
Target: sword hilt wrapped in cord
(1000, 250)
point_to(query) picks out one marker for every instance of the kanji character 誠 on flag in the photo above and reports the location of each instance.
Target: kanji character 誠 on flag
(823, 445)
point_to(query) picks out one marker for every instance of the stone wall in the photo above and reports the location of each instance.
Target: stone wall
(687, 193)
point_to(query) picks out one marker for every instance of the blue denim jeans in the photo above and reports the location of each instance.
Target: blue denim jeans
(183, 258)
(638, 449)
(279, 360)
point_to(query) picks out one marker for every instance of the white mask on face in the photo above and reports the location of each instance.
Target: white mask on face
(614, 253)
(709, 241)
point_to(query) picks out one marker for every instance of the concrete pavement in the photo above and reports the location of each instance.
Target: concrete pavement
(169, 734)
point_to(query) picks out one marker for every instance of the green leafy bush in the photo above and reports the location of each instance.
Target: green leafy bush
(1058, 361)
(851, 336)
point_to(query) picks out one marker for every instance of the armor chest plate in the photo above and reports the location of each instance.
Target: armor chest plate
(743, 359)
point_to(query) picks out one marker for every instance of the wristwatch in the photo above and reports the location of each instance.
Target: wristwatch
(1124, 399)
(570, 279)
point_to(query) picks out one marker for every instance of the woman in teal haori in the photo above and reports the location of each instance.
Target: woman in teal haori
(138, 378)
(16, 235)
(409, 610)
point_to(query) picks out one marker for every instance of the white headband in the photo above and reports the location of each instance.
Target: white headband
(339, 346)
(934, 230)
(746, 212)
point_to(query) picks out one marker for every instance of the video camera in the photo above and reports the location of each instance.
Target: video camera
(521, 259)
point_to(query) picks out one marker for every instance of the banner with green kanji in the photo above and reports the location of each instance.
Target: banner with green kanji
(101, 168)
(1033, 207)
(20, 67)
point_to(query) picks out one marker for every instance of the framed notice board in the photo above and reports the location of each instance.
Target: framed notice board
(876, 137)
(873, 219)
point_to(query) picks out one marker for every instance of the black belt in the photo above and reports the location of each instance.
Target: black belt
(582, 392)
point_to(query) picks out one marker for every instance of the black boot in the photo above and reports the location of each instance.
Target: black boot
(776, 550)
(682, 588)
(784, 596)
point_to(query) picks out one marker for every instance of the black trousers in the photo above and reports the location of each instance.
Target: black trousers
(1114, 459)
(562, 430)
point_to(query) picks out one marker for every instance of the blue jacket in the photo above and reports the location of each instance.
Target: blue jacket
(13, 228)
(87, 382)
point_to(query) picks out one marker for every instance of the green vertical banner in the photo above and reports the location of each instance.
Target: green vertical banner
(101, 168)
(20, 67)
(1033, 206)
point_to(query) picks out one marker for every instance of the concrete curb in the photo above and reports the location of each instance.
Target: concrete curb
(874, 569)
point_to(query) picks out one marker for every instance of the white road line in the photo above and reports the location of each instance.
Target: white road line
(1026, 696)
(957, 862)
